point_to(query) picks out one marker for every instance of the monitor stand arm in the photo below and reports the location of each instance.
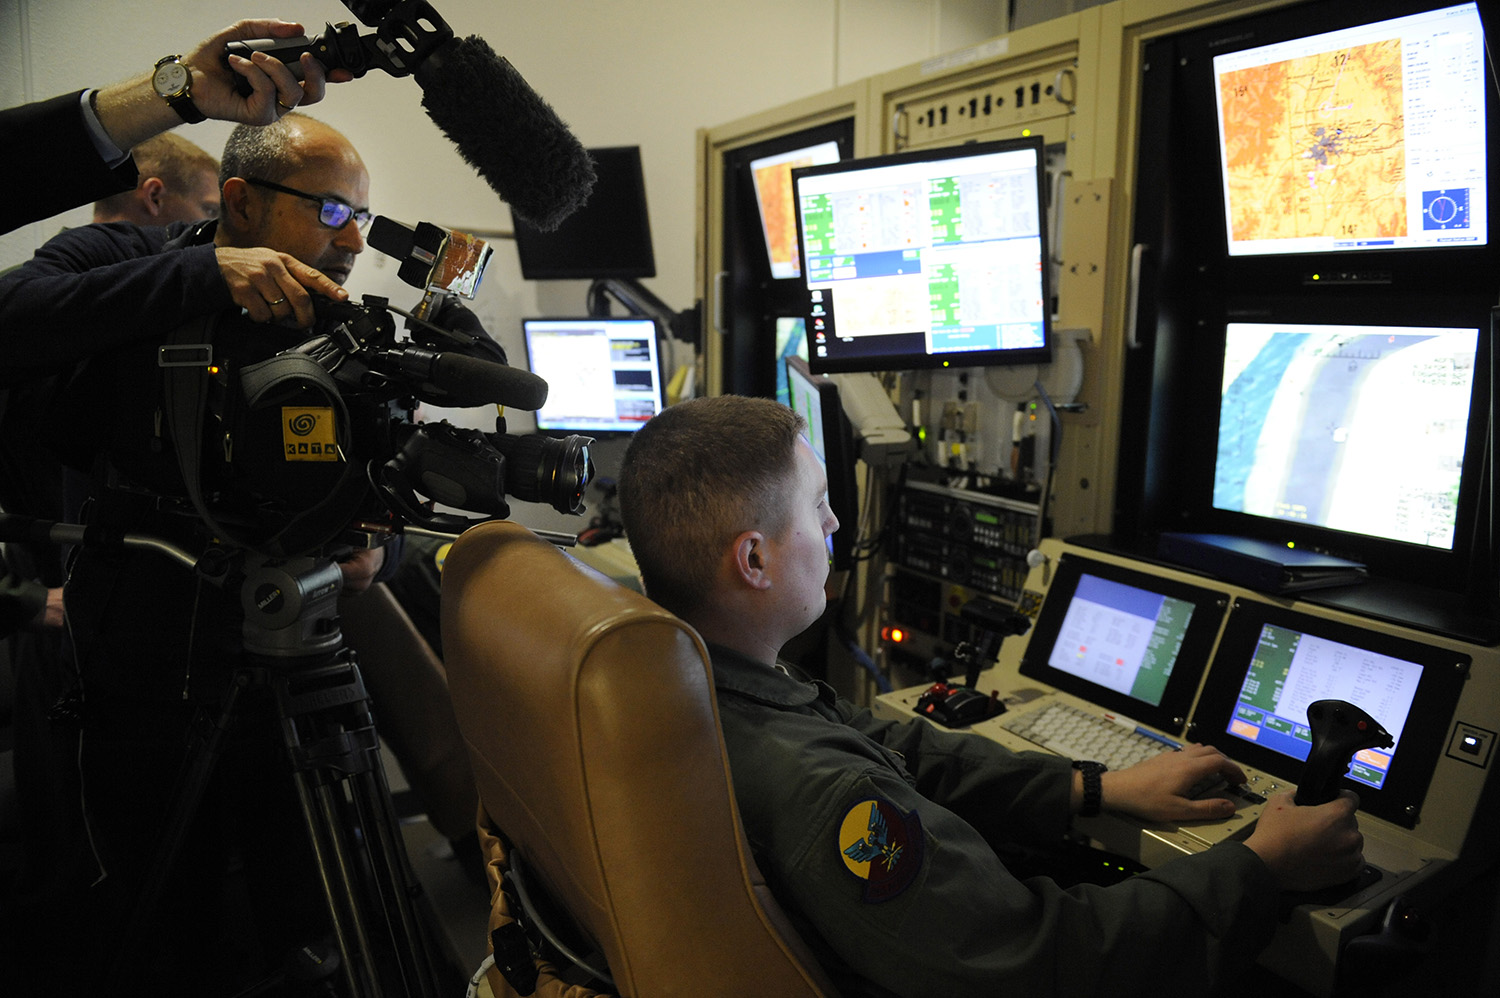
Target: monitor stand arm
(638, 300)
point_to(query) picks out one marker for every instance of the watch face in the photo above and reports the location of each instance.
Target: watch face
(171, 79)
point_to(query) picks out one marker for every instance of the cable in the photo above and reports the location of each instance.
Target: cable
(484, 968)
(1054, 446)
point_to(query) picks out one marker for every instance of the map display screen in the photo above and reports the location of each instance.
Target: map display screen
(1365, 138)
(926, 259)
(1361, 429)
(772, 176)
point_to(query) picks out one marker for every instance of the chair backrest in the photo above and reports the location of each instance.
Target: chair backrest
(593, 732)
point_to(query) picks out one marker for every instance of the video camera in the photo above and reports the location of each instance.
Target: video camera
(283, 455)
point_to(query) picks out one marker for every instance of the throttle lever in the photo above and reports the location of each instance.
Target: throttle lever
(1339, 729)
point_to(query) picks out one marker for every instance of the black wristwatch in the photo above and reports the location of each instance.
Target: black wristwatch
(1093, 787)
(174, 82)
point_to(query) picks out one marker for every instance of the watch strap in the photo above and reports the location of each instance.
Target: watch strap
(1093, 786)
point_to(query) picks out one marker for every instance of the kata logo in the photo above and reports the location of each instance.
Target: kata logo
(881, 846)
(307, 433)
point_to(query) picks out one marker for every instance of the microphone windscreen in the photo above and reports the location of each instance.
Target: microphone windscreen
(471, 381)
(506, 131)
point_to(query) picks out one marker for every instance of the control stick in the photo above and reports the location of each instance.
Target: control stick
(1339, 729)
(958, 706)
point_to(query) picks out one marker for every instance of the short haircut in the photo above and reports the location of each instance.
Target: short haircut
(695, 477)
(178, 163)
(265, 152)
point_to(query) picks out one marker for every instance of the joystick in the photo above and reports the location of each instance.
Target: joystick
(959, 706)
(1339, 729)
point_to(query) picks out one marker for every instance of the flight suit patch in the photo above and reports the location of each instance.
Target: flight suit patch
(882, 847)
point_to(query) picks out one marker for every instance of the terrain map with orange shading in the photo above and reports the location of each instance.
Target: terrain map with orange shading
(1314, 146)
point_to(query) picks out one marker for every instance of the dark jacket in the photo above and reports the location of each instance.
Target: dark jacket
(877, 836)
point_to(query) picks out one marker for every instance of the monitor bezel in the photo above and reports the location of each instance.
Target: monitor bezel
(1171, 715)
(622, 184)
(906, 359)
(1276, 29)
(1384, 556)
(1422, 742)
(659, 374)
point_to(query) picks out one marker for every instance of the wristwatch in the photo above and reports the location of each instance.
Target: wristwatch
(174, 82)
(1093, 788)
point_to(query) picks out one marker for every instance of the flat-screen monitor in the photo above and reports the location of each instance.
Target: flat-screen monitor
(1361, 429)
(926, 259)
(772, 177)
(1273, 662)
(1370, 137)
(791, 341)
(829, 433)
(609, 236)
(603, 374)
(1132, 643)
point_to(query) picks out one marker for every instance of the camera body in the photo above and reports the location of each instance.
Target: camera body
(323, 435)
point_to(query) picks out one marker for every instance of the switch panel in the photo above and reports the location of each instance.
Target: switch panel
(1029, 97)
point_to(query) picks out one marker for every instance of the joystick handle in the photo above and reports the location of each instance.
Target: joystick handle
(1339, 729)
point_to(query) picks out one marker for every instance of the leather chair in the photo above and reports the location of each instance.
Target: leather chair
(593, 733)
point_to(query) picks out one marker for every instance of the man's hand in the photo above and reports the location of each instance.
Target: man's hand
(360, 569)
(1309, 847)
(275, 90)
(51, 614)
(274, 287)
(131, 112)
(1155, 789)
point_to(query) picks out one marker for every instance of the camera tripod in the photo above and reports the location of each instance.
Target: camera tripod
(293, 647)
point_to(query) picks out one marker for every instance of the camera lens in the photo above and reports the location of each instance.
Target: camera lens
(553, 470)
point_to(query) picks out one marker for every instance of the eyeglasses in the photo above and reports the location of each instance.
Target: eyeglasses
(331, 211)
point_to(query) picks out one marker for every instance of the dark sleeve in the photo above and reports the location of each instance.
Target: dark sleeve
(915, 900)
(97, 287)
(50, 158)
(1005, 795)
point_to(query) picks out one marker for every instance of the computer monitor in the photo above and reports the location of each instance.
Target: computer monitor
(603, 374)
(1361, 429)
(926, 259)
(1272, 662)
(609, 236)
(772, 177)
(829, 433)
(1132, 643)
(1370, 137)
(791, 341)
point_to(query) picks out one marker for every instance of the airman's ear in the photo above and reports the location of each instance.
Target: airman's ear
(750, 559)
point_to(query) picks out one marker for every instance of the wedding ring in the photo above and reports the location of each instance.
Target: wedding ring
(278, 301)
(285, 107)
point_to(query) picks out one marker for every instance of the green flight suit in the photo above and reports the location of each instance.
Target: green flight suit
(876, 837)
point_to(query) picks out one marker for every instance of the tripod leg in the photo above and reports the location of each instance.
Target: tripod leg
(378, 814)
(348, 929)
(330, 737)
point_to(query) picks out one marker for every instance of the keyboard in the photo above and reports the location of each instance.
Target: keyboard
(1080, 734)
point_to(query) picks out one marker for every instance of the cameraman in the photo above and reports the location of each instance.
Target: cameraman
(152, 642)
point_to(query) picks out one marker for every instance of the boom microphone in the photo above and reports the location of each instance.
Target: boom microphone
(506, 131)
(471, 381)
